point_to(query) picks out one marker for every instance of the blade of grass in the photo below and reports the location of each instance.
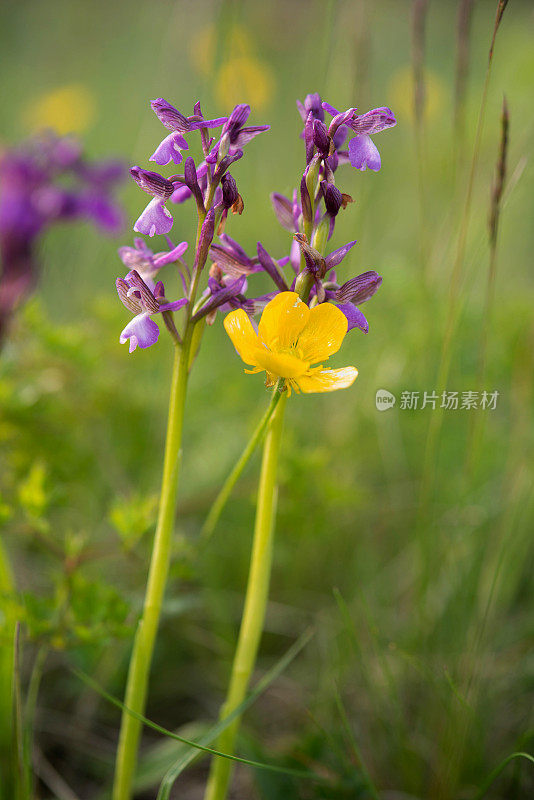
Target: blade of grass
(492, 777)
(213, 733)
(354, 745)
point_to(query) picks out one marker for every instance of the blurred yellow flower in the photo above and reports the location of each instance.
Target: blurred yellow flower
(245, 77)
(291, 337)
(66, 109)
(401, 91)
(241, 75)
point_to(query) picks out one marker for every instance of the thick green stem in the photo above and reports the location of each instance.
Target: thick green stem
(141, 658)
(222, 498)
(255, 602)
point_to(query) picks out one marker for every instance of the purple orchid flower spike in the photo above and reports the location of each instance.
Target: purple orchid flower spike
(147, 263)
(155, 218)
(362, 152)
(144, 302)
(234, 134)
(171, 147)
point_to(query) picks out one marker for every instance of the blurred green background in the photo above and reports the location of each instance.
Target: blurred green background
(419, 678)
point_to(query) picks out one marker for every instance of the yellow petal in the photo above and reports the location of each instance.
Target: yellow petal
(239, 328)
(323, 334)
(327, 380)
(282, 365)
(282, 320)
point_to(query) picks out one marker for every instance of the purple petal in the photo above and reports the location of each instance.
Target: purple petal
(169, 115)
(374, 121)
(132, 303)
(154, 219)
(169, 150)
(270, 267)
(337, 256)
(354, 316)
(175, 305)
(152, 182)
(308, 137)
(246, 134)
(331, 110)
(220, 296)
(233, 245)
(141, 331)
(363, 154)
(181, 194)
(171, 256)
(208, 123)
(360, 289)
(302, 111)
(238, 117)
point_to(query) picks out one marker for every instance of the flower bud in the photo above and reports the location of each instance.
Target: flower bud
(315, 263)
(312, 174)
(333, 199)
(191, 181)
(320, 137)
(207, 232)
(229, 191)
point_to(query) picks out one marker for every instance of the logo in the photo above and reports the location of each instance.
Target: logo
(384, 399)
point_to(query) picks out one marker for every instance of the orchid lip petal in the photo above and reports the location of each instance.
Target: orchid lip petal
(363, 153)
(170, 150)
(142, 332)
(154, 219)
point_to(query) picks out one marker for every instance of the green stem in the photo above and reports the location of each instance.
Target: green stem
(7, 635)
(255, 602)
(140, 661)
(222, 498)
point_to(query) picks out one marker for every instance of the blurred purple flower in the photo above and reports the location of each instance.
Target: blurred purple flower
(43, 181)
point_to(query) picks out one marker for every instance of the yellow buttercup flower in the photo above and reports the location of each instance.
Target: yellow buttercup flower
(291, 337)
